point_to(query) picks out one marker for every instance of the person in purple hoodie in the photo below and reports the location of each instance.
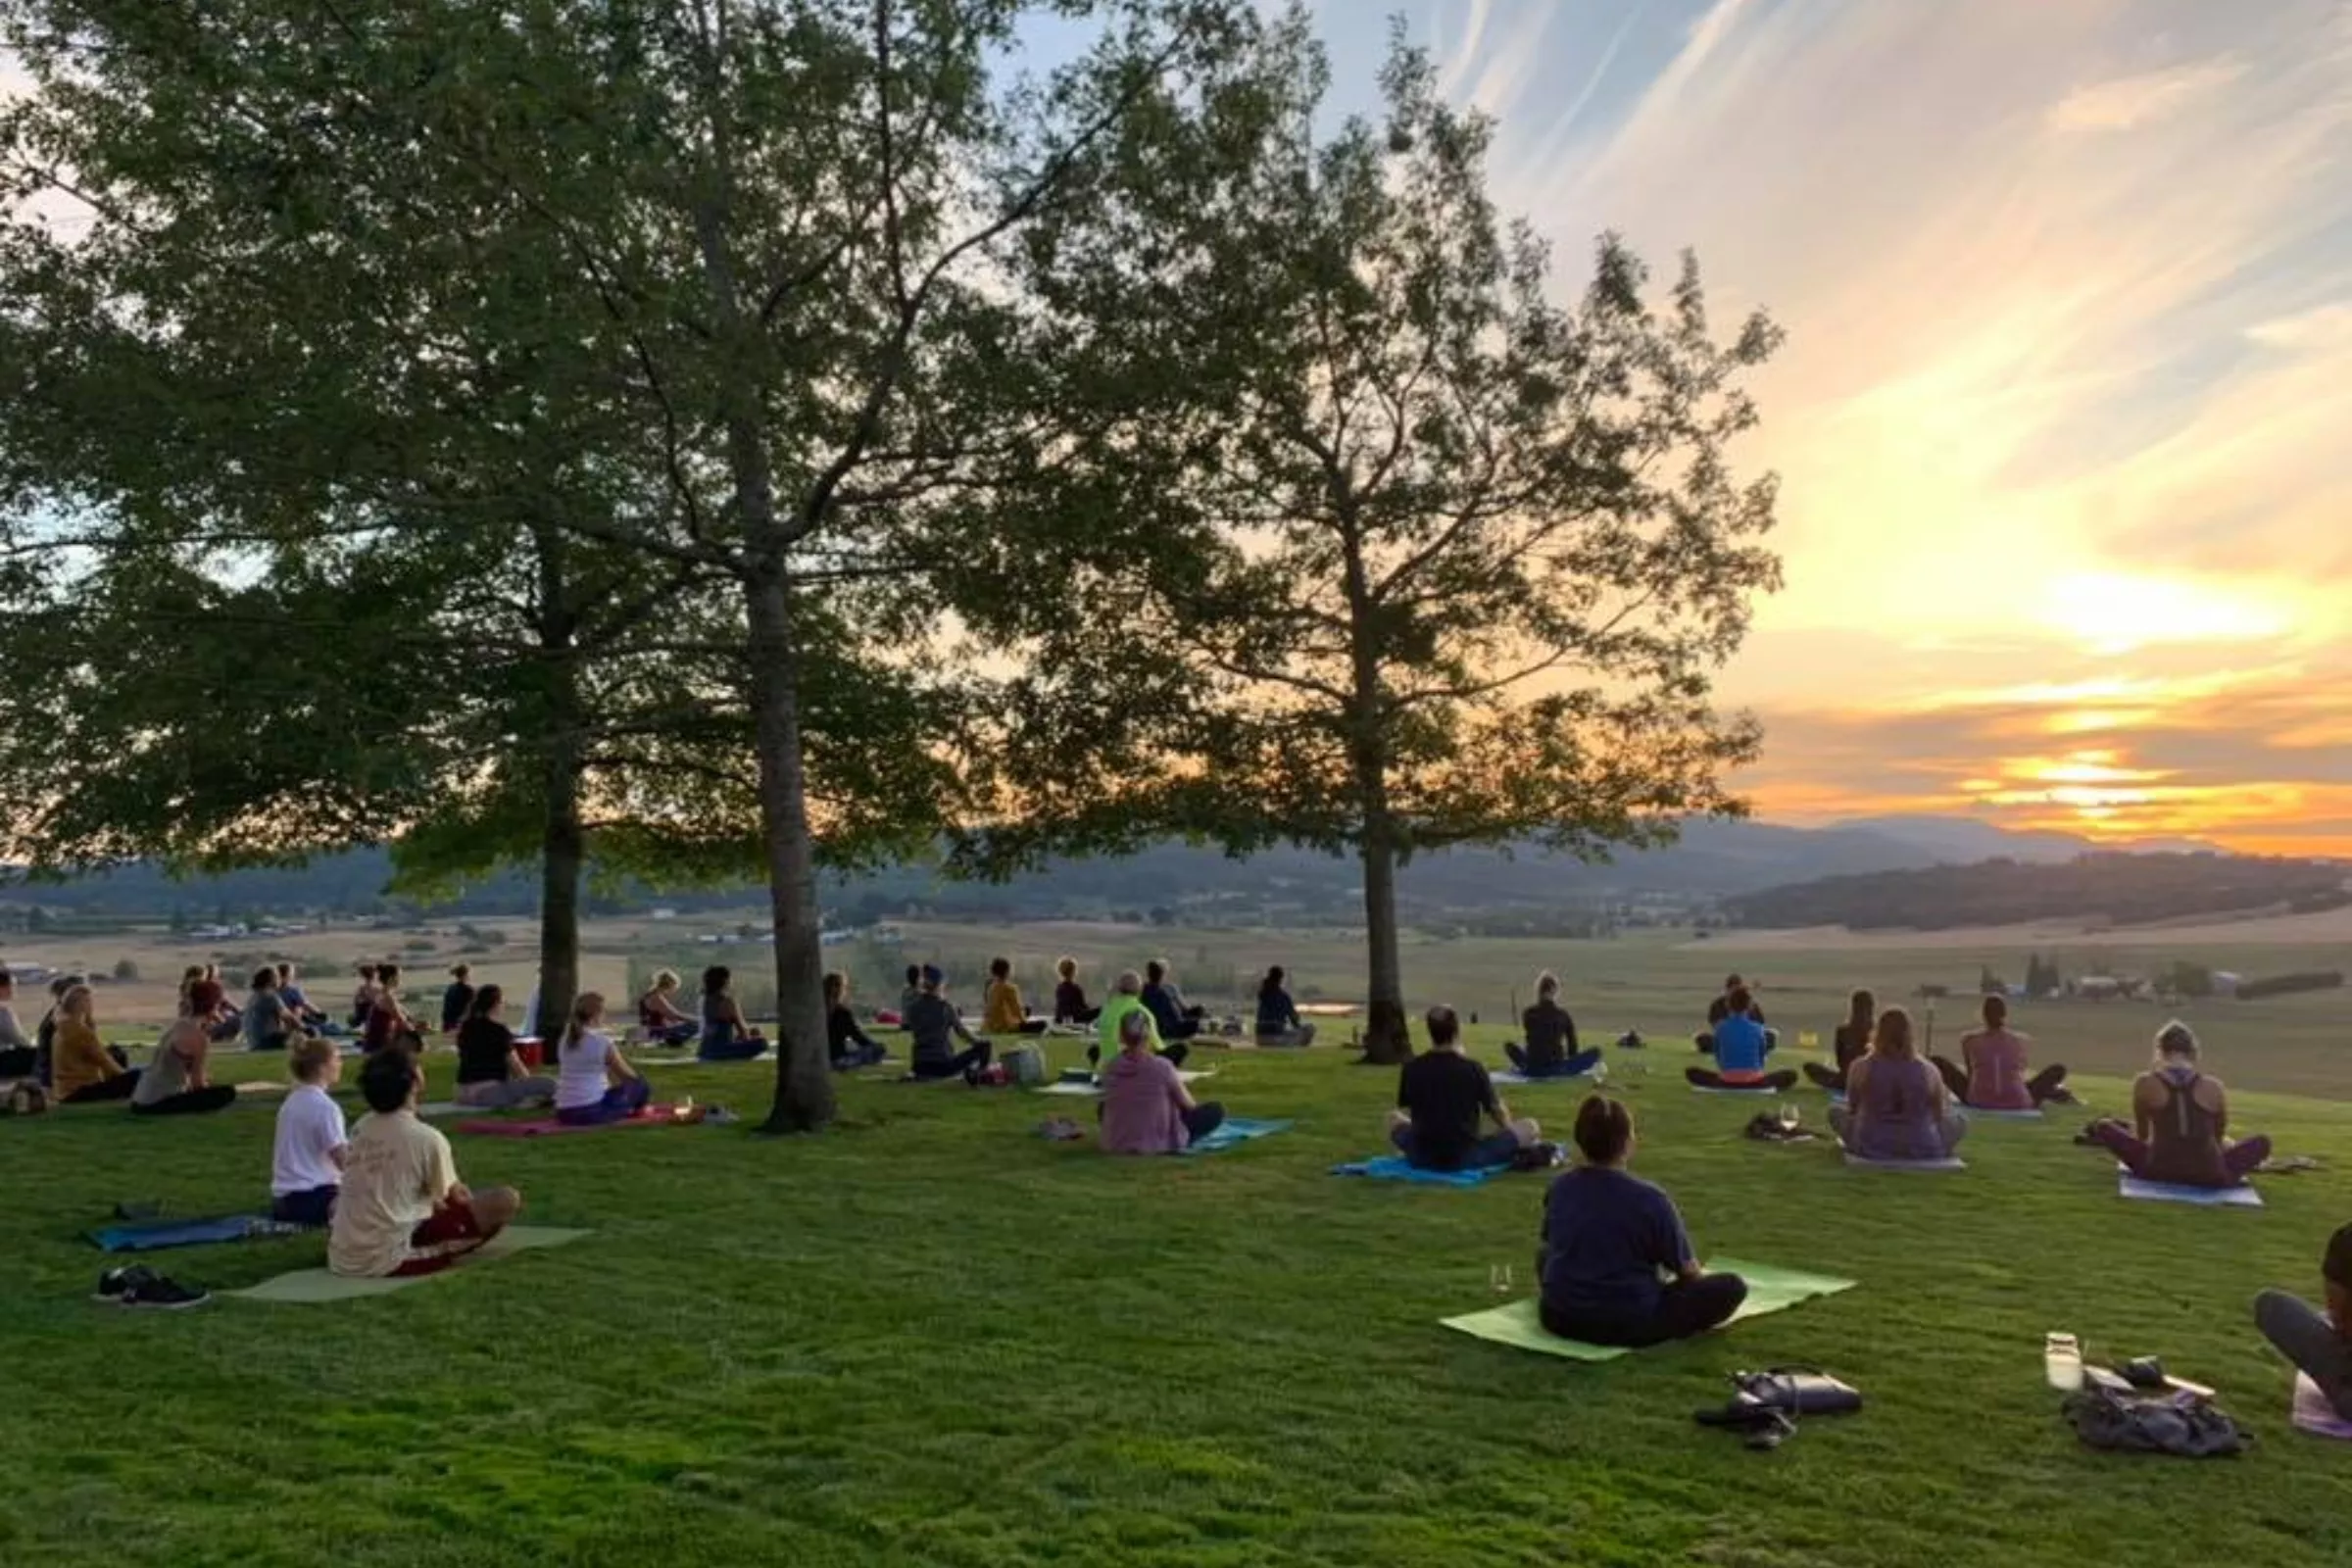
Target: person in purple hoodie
(1146, 1108)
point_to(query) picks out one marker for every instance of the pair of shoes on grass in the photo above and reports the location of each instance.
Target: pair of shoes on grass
(142, 1287)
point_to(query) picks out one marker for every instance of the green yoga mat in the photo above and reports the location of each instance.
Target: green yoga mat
(1769, 1289)
(321, 1284)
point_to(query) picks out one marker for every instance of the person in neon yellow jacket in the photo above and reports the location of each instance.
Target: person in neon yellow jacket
(1127, 997)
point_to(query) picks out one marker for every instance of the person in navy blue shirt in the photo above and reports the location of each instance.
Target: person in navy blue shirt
(1616, 1265)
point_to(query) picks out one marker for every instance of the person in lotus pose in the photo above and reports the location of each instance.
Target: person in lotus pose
(179, 1082)
(1278, 1021)
(1851, 1043)
(2317, 1342)
(847, 1043)
(594, 1082)
(726, 1037)
(307, 1154)
(1002, 1010)
(1069, 996)
(1991, 1073)
(401, 1209)
(1616, 1265)
(2180, 1122)
(1550, 1051)
(1897, 1106)
(490, 1072)
(936, 1027)
(658, 1013)
(1442, 1101)
(1740, 1044)
(1146, 1108)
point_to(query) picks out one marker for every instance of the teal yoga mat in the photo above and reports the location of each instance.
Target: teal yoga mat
(322, 1285)
(1769, 1289)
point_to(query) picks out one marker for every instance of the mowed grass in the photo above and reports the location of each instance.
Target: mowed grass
(931, 1337)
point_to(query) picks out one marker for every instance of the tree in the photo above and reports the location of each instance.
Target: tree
(271, 396)
(1439, 561)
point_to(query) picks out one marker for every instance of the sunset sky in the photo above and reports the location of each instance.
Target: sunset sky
(2065, 416)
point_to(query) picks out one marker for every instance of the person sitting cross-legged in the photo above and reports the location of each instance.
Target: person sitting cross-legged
(20, 1058)
(1740, 1044)
(1126, 997)
(2318, 1343)
(1002, 1010)
(1550, 1051)
(2180, 1122)
(658, 1013)
(1724, 1005)
(388, 1024)
(726, 1035)
(1896, 1105)
(401, 1209)
(297, 1000)
(1850, 1043)
(935, 1027)
(1069, 996)
(270, 1024)
(1442, 1099)
(1616, 1266)
(1177, 1019)
(845, 1042)
(306, 1153)
(1278, 1021)
(594, 1082)
(491, 1073)
(85, 1070)
(178, 1081)
(1146, 1108)
(1990, 1074)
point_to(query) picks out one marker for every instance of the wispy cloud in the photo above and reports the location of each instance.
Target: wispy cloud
(2129, 100)
(2070, 298)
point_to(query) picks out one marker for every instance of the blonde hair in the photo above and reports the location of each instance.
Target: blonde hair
(1130, 984)
(309, 1057)
(1547, 983)
(77, 1000)
(1892, 1037)
(2175, 1038)
(666, 980)
(1066, 968)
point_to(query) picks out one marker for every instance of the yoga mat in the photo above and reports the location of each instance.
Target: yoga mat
(1948, 1162)
(154, 1235)
(1762, 1092)
(1234, 1129)
(1971, 1111)
(1064, 1086)
(1522, 1079)
(2130, 1185)
(1396, 1168)
(322, 1285)
(1769, 1289)
(2314, 1414)
(549, 1127)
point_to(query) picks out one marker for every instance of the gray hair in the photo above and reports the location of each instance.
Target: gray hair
(1130, 984)
(1136, 1028)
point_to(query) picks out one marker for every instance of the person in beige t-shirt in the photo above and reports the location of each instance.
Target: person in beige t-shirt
(401, 1209)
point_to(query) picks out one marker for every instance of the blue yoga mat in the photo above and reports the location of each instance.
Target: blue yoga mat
(1234, 1129)
(1396, 1168)
(154, 1235)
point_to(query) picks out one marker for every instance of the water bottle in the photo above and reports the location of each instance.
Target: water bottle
(2062, 1363)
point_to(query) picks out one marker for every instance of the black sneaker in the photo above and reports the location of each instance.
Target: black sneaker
(116, 1283)
(163, 1294)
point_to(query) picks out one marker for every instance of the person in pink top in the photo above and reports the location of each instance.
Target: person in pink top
(1146, 1108)
(1990, 1074)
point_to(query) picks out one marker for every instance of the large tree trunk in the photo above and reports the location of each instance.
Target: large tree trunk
(804, 1101)
(562, 861)
(1387, 1039)
(563, 839)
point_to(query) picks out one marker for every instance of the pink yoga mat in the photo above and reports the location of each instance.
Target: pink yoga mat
(548, 1126)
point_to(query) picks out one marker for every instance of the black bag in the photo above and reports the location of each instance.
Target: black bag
(1798, 1391)
(2183, 1424)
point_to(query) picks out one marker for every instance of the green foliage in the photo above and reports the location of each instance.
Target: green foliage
(126, 971)
(2288, 985)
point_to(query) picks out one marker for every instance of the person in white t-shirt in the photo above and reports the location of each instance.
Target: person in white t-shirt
(306, 1163)
(401, 1209)
(594, 1083)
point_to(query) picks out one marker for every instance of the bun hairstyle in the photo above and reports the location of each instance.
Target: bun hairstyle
(1604, 1129)
(2176, 1039)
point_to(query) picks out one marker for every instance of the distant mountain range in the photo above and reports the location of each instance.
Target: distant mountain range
(1713, 860)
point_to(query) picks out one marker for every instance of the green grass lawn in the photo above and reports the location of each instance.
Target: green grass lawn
(933, 1338)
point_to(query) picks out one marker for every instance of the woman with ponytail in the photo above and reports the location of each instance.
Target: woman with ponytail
(1617, 1267)
(594, 1083)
